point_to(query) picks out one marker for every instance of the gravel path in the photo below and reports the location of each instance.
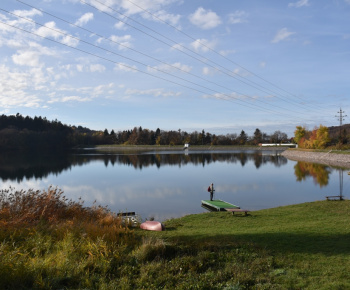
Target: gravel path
(327, 158)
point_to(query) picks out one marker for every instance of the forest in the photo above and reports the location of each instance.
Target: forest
(26, 133)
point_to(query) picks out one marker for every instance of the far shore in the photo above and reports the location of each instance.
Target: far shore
(330, 157)
(182, 148)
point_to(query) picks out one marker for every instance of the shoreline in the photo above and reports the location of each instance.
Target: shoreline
(181, 148)
(326, 158)
(330, 158)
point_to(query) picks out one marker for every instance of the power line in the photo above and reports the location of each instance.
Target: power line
(229, 98)
(127, 47)
(219, 95)
(216, 52)
(109, 51)
(226, 71)
(204, 60)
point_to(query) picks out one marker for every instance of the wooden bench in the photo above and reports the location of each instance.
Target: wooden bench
(334, 197)
(233, 210)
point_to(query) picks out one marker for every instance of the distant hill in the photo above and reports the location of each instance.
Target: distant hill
(334, 131)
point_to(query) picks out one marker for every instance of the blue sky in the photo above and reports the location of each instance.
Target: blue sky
(221, 66)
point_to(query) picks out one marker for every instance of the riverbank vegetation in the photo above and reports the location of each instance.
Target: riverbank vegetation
(48, 242)
(322, 137)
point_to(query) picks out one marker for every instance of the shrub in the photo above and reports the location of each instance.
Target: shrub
(51, 210)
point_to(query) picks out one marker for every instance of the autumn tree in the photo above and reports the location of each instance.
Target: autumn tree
(299, 135)
(316, 139)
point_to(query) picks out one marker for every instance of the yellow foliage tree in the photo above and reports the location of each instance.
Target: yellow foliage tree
(299, 133)
(317, 139)
(322, 137)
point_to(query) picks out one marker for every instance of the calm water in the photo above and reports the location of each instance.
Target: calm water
(171, 184)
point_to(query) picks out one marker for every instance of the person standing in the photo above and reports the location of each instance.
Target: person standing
(211, 190)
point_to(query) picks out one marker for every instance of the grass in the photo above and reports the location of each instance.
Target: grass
(308, 244)
(57, 243)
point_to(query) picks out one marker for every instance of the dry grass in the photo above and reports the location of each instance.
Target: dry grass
(51, 210)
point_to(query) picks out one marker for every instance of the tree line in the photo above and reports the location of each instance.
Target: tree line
(19, 132)
(140, 136)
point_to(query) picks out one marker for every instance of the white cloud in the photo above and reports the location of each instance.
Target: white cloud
(120, 25)
(170, 68)
(30, 54)
(221, 96)
(178, 46)
(153, 92)
(282, 34)
(15, 86)
(50, 30)
(123, 41)
(80, 94)
(205, 19)
(209, 71)
(90, 68)
(75, 99)
(125, 67)
(84, 19)
(299, 3)
(162, 15)
(27, 13)
(29, 58)
(203, 45)
(237, 17)
(97, 68)
(148, 9)
(142, 5)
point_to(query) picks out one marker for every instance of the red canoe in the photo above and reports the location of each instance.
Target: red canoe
(152, 226)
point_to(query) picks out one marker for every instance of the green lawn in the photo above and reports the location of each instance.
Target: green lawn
(305, 246)
(300, 246)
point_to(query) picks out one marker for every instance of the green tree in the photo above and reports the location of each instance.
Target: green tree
(243, 137)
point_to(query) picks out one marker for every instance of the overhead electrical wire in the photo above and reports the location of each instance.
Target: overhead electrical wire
(228, 97)
(135, 69)
(225, 57)
(212, 50)
(204, 61)
(113, 41)
(130, 48)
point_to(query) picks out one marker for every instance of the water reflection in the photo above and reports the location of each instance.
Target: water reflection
(319, 172)
(20, 166)
(172, 184)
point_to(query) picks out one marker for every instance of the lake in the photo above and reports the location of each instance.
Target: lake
(170, 184)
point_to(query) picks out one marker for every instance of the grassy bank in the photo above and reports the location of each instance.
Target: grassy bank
(61, 244)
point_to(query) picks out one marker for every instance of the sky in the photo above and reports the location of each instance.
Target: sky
(218, 66)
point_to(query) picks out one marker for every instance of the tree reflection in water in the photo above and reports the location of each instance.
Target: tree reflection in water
(319, 172)
(18, 166)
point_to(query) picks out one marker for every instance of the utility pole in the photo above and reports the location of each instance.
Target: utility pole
(340, 117)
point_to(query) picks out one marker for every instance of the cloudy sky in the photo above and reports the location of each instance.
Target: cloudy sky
(221, 66)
